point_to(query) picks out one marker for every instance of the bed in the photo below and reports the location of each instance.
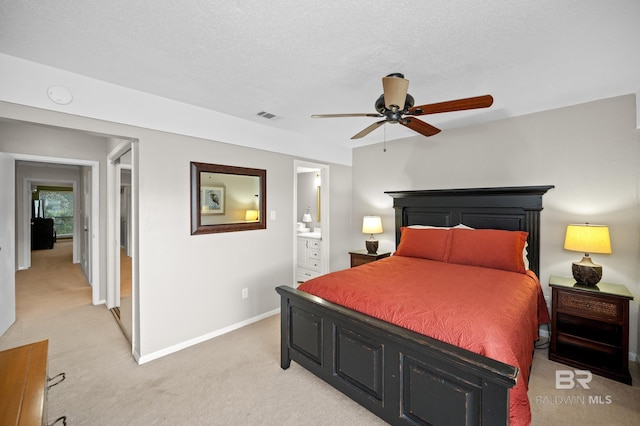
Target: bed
(402, 375)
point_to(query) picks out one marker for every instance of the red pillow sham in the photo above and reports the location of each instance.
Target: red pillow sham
(426, 243)
(490, 248)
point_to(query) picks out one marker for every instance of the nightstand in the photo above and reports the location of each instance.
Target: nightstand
(590, 327)
(360, 257)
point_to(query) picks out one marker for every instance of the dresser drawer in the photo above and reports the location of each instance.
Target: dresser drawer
(303, 274)
(590, 307)
(314, 255)
(315, 244)
(314, 265)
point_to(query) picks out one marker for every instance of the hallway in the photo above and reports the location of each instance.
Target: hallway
(53, 282)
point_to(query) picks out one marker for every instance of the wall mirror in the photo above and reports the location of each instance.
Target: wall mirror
(227, 198)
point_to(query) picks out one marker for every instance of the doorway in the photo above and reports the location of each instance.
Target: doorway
(311, 204)
(37, 138)
(88, 217)
(16, 194)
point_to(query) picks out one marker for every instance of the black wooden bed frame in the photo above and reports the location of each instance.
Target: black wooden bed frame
(402, 376)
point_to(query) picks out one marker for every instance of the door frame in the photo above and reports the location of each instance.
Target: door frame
(325, 265)
(7, 244)
(94, 279)
(28, 182)
(114, 169)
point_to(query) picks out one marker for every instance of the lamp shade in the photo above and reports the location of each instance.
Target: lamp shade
(371, 225)
(587, 238)
(251, 215)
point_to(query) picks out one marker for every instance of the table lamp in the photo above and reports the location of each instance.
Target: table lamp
(372, 225)
(306, 218)
(587, 239)
(251, 216)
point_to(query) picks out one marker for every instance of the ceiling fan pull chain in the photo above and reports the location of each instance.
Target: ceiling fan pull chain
(385, 138)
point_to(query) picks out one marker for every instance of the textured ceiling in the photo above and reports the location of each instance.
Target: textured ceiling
(295, 58)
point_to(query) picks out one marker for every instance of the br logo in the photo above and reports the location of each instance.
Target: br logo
(567, 379)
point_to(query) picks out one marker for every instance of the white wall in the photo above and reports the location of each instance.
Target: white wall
(590, 152)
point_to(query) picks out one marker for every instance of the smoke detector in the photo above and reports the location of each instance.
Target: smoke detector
(60, 95)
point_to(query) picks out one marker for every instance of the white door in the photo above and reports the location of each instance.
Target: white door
(7, 243)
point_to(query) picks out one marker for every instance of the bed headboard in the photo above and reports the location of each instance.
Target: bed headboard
(514, 208)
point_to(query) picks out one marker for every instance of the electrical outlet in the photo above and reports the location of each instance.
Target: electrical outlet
(245, 293)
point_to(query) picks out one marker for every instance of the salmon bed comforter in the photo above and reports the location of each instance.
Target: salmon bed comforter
(492, 312)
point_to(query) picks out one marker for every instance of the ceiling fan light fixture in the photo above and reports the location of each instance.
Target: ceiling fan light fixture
(395, 91)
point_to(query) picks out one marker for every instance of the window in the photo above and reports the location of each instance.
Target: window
(59, 206)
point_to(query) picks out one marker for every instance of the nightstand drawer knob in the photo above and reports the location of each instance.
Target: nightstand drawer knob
(588, 305)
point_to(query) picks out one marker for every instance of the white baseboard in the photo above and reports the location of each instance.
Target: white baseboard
(175, 348)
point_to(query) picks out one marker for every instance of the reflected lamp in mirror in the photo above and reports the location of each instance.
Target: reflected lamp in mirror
(251, 215)
(587, 238)
(372, 225)
(306, 218)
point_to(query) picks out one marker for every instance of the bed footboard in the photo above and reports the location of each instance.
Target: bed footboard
(401, 376)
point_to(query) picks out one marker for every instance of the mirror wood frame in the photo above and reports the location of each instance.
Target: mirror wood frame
(197, 227)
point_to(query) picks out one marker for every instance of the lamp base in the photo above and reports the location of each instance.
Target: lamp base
(372, 246)
(586, 272)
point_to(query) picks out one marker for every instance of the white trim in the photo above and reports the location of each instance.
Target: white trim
(113, 223)
(638, 110)
(203, 338)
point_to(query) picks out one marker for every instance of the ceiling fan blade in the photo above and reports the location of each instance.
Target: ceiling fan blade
(363, 114)
(455, 105)
(395, 91)
(368, 129)
(420, 126)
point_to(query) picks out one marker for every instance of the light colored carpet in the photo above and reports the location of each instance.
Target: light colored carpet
(234, 379)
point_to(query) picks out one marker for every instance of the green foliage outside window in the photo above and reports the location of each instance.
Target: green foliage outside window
(59, 206)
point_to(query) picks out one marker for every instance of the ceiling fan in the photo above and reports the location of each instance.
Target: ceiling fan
(396, 106)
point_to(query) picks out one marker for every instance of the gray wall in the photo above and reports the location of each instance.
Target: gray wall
(190, 286)
(590, 152)
(25, 138)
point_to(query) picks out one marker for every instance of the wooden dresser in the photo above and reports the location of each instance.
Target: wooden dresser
(23, 384)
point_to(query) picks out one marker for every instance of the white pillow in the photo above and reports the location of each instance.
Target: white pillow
(462, 226)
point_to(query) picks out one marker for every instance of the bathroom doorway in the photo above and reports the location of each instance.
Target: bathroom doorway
(312, 219)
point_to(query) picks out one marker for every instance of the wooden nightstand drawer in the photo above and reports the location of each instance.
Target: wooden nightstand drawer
(588, 306)
(361, 257)
(359, 260)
